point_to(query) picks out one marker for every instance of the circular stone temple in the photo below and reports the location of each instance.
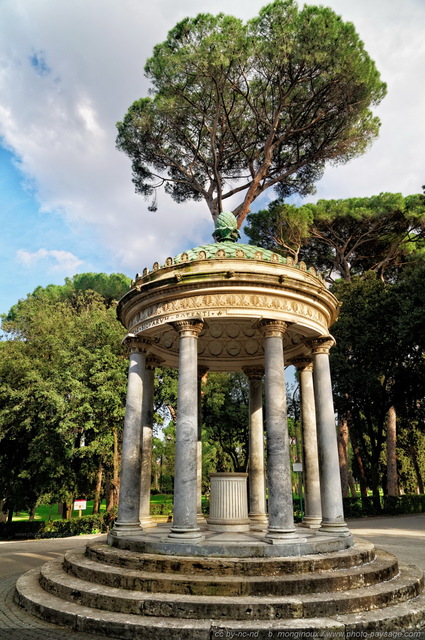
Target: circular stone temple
(228, 306)
(247, 571)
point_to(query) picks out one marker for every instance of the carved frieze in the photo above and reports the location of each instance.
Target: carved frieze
(218, 305)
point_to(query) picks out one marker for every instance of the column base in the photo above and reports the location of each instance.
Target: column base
(147, 522)
(121, 529)
(258, 518)
(311, 522)
(334, 529)
(237, 527)
(200, 518)
(281, 536)
(184, 536)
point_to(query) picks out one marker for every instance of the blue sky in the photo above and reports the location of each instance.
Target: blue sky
(69, 69)
(26, 257)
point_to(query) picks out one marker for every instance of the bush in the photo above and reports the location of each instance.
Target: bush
(24, 529)
(98, 523)
(205, 506)
(161, 509)
(394, 505)
(362, 506)
(387, 505)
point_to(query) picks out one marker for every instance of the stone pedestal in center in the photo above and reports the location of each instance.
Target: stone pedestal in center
(228, 502)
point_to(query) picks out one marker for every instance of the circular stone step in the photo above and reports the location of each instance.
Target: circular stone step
(56, 582)
(360, 553)
(384, 567)
(367, 625)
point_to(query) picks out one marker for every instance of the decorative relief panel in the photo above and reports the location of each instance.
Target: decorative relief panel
(218, 305)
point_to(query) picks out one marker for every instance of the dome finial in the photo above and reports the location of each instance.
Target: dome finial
(226, 228)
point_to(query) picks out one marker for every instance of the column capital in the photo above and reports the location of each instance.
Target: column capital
(135, 344)
(322, 344)
(188, 327)
(153, 361)
(253, 373)
(303, 363)
(272, 328)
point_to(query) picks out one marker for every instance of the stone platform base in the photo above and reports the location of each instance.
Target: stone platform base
(355, 592)
(231, 544)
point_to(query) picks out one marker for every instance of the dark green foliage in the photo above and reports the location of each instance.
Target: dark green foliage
(225, 418)
(62, 393)
(376, 245)
(385, 505)
(99, 523)
(238, 108)
(344, 238)
(362, 506)
(161, 509)
(395, 505)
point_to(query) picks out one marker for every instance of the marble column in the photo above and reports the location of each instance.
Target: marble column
(199, 515)
(184, 528)
(256, 478)
(330, 481)
(127, 522)
(146, 519)
(281, 516)
(313, 507)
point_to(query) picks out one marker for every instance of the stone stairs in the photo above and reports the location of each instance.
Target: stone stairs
(128, 595)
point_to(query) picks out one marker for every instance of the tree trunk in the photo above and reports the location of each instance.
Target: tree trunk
(66, 510)
(155, 484)
(109, 492)
(32, 513)
(351, 484)
(3, 514)
(359, 460)
(392, 476)
(374, 478)
(414, 459)
(98, 488)
(343, 455)
(10, 514)
(60, 509)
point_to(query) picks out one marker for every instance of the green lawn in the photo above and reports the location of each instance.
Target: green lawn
(46, 512)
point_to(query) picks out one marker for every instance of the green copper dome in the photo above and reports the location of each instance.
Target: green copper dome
(226, 235)
(226, 245)
(229, 249)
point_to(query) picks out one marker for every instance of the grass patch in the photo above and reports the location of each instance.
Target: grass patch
(49, 513)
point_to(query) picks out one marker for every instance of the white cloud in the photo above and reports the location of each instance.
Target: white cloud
(56, 260)
(69, 71)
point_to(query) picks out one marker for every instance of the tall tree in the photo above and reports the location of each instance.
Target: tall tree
(240, 108)
(376, 245)
(364, 362)
(344, 238)
(62, 391)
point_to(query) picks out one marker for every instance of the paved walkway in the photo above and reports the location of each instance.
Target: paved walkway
(402, 535)
(15, 559)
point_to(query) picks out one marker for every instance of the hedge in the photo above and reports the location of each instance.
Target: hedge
(25, 529)
(385, 505)
(362, 506)
(101, 523)
(161, 509)
(395, 505)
